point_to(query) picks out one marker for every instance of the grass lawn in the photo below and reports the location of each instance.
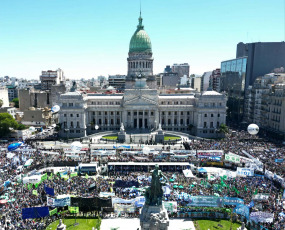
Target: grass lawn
(84, 224)
(213, 225)
(172, 138)
(110, 137)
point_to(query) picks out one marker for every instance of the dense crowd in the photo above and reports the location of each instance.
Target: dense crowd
(20, 196)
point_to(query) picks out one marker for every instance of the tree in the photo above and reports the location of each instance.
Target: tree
(21, 126)
(1, 103)
(16, 102)
(7, 122)
(223, 128)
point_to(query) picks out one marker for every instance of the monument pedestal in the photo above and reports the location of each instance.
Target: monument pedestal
(159, 136)
(122, 134)
(154, 218)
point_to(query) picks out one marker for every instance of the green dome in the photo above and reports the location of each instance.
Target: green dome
(140, 41)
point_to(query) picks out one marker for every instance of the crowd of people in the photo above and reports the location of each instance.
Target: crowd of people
(16, 195)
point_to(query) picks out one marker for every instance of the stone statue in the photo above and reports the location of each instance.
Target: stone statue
(122, 128)
(154, 193)
(61, 226)
(159, 127)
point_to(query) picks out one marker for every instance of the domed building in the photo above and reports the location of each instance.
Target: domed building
(140, 61)
(141, 106)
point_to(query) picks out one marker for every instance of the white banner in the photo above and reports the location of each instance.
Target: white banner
(245, 171)
(262, 217)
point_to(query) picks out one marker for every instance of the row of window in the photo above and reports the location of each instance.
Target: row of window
(106, 113)
(105, 103)
(212, 115)
(174, 102)
(175, 113)
(72, 131)
(141, 113)
(213, 104)
(71, 115)
(70, 104)
(71, 124)
(175, 121)
(211, 125)
(105, 121)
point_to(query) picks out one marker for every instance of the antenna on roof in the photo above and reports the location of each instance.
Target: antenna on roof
(140, 8)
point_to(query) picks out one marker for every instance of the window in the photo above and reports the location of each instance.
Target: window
(99, 113)
(162, 113)
(218, 124)
(70, 104)
(71, 115)
(175, 113)
(151, 113)
(181, 121)
(71, 124)
(212, 115)
(77, 104)
(169, 113)
(218, 115)
(64, 104)
(135, 113)
(64, 115)
(77, 131)
(93, 113)
(211, 125)
(106, 113)
(188, 113)
(129, 113)
(205, 124)
(140, 113)
(205, 115)
(181, 113)
(111, 113)
(78, 125)
(118, 121)
(145, 113)
(118, 113)
(169, 121)
(71, 131)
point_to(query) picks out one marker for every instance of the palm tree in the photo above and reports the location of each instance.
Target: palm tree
(223, 129)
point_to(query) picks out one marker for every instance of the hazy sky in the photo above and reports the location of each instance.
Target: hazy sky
(87, 38)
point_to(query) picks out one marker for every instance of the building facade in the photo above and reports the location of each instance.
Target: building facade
(141, 106)
(215, 80)
(50, 77)
(117, 81)
(181, 69)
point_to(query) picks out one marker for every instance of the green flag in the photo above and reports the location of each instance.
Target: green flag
(256, 191)
(52, 212)
(86, 176)
(245, 188)
(237, 191)
(50, 177)
(37, 185)
(30, 186)
(35, 192)
(73, 209)
(44, 177)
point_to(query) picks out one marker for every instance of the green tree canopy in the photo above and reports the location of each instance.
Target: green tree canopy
(223, 128)
(1, 103)
(7, 122)
(16, 102)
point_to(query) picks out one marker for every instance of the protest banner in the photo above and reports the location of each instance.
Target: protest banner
(245, 171)
(52, 212)
(35, 212)
(232, 158)
(206, 201)
(170, 206)
(260, 196)
(242, 210)
(262, 217)
(233, 201)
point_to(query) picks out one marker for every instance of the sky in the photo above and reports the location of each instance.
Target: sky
(88, 38)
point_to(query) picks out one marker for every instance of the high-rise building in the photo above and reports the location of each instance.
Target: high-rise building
(205, 81)
(117, 81)
(262, 58)
(181, 69)
(50, 77)
(215, 80)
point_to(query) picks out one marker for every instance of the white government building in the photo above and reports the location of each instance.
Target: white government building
(141, 106)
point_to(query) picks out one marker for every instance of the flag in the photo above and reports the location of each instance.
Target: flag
(245, 188)
(73, 209)
(30, 186)
(86, 176)
(256, 191)
(52, 212)
(35, 192)
(49, 191)
(234, 188)
(37, 185)
(50, 177)
(251, 204)
(44, 177)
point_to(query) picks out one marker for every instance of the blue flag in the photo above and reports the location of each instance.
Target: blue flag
(251, 204)
(35, 212)
(49, 191)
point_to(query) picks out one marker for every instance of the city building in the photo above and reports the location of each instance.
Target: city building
(181, 69)
(4, 96)
(12, 92)
(170, 80)
(196, 83)
(233, 74)
(117, 81)
(50, 77)
(264, 104)
(215, 80)
(141, 106)
(205, 80)
(252, 60)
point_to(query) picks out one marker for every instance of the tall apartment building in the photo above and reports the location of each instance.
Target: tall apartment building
(4, 96)
(117, 81)
(181, 69)
(263, 104)
(12, 92)
(50, 77)
(205, 81)
(215, 80)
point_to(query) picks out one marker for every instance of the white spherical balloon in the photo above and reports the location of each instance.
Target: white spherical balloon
(32, 128)
(253, 129)
(76, 146)
(55, 108)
